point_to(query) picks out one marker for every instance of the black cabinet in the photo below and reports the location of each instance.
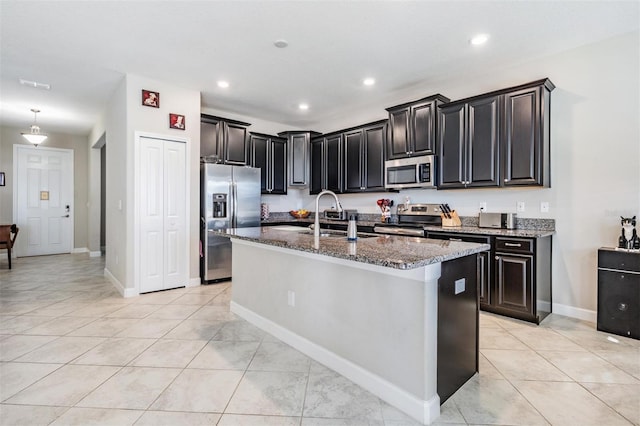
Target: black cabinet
(514, 277)
(468, 143)
(483, 264)
(364, 158)
(224, 139)
(413, 127)
(526, 135)
(496, 139)
(522, 278)
(619, 292)
(298, 156)
(269, 153)
(327, 163)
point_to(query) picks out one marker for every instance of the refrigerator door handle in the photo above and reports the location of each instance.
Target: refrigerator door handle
(234, 196)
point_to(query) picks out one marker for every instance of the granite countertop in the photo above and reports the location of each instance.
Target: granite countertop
(534, 231)
(390, 251)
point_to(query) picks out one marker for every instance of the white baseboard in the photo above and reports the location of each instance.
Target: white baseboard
(193, 282)
(125, 292)
(573, 312)
(95, 253)
(423, 411)
(79, 250)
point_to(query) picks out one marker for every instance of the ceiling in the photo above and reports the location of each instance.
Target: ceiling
(84, 48)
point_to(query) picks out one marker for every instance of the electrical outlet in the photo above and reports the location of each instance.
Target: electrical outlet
(483, 206)
(291, 298)
(544, 207)
(520, 206)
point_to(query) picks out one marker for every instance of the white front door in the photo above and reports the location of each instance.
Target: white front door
(43, 200)
(162, 196)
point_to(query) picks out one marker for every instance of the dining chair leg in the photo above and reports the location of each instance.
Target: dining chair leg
(9, 252)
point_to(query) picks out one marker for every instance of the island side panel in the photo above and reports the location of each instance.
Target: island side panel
(383, 320)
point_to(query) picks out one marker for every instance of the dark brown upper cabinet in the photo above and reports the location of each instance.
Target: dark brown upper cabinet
(299, 156)
(496, 139)
(269, 153)
(327, 163)
(412, 127)
(226, 139)
(468, 143)
(364, 157)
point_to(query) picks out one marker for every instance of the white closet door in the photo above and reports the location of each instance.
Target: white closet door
(163, 250)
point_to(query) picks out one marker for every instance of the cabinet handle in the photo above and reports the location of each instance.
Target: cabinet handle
(497, 257)
(455, 239)
(506, 180)
(513, 244)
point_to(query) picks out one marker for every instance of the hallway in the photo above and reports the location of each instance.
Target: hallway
(73, 351)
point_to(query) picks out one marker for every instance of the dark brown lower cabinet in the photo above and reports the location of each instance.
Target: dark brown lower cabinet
(514, 282)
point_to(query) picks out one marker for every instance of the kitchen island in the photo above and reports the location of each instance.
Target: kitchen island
(366, 309)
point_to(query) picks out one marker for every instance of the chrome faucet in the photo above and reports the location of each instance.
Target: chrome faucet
(316, 225)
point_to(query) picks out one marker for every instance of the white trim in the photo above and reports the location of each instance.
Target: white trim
(573, 312)
(423, 411)
(124, 292)
(95, 253)
(79, 250)
(193, 282)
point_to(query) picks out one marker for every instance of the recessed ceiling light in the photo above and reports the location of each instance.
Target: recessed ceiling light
(281, 44)
(223, 84)
(479, 39)
(369, 81)
(303, 107)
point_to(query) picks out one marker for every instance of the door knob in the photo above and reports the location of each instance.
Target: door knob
(65, 215)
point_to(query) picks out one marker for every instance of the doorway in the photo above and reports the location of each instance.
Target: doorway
(43, 199)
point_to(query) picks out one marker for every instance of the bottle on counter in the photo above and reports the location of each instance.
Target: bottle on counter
(352, 228)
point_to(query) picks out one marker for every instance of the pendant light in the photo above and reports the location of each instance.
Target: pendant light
(35, 137)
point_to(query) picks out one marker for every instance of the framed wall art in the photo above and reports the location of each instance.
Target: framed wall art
(176, 121)
(150, 99)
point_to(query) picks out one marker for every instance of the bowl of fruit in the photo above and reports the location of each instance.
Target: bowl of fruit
(300, 214)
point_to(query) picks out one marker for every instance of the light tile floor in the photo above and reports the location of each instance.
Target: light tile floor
(72, 351)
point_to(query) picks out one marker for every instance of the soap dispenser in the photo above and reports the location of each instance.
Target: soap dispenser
(352, 228)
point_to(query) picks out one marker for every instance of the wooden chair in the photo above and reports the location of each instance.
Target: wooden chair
(8, 234)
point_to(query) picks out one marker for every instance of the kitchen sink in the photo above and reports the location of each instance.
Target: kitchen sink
(337, 234)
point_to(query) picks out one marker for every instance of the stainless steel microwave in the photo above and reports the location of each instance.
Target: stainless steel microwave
(414, 172)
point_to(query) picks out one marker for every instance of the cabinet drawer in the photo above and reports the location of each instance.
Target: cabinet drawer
(514, 245)
(619, 260)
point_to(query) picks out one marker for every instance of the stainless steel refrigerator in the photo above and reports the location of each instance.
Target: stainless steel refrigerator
(230, 198)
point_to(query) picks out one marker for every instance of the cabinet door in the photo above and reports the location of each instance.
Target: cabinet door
(373, 158)
(298, 147)
(235, 141)
(422, 129)
(398, 144)
(522, 152)
(483, 121)
(259, 158)
(483, 277)
(278, 159)
(317, 160)
(514, 283)
(208, 138)
(332, 165)
(452, 160)
(353, 150)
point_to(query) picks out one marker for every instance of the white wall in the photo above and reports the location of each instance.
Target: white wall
(10, 136)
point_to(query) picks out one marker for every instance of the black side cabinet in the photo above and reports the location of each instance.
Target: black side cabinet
(269, 154)
(457, 325)
(224, 138)
(619, 292)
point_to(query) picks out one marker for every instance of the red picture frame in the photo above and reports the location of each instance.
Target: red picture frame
(150, 98)
(176, 121)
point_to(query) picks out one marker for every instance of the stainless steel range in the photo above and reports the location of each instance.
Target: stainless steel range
(412, 219)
